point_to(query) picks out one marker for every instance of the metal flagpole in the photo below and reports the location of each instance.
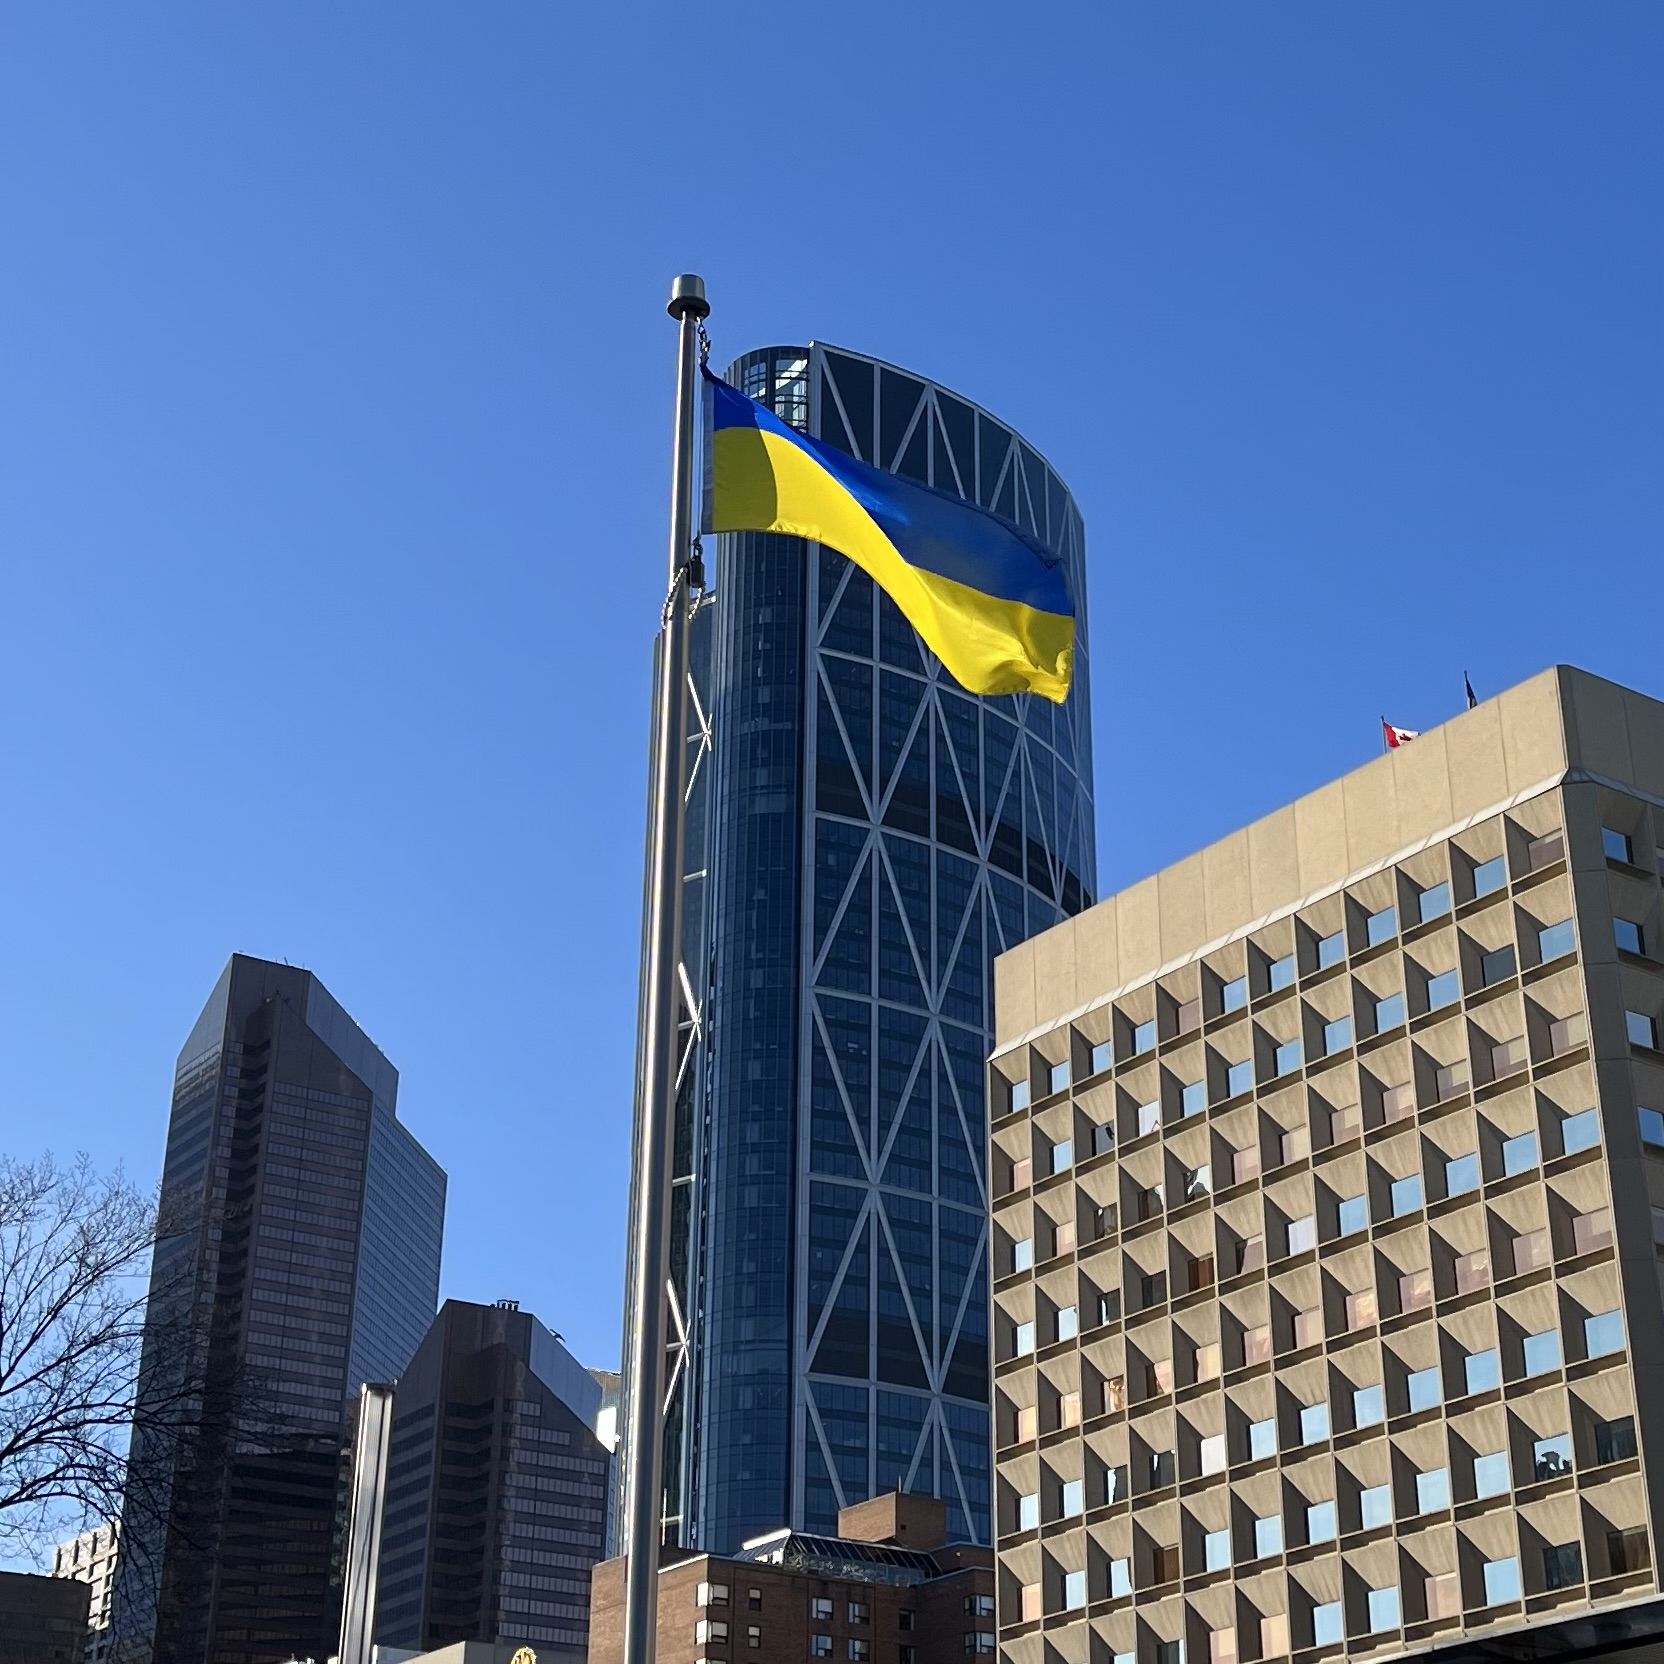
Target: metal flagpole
(650, 1247)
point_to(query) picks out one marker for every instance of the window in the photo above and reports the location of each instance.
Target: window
(1027, 1424)
(820, 1606)
(1314, 1423)
(1545, 851)
(753, 1636)
(1216, 1551)
(1496, 967)
(1627, 1550)
(754, 1600)
(860, 1652)
(1234, 995)
(1566, 1034)
(1442, 990)
(1068, 1409)
(1369, 1407)
(1262, 1439)
(712, 1594)
(1542, 1351)
(1415, 1290)
(1381, 927)
(1168, 1652)
(1120, 1579)
(1103, 1140)
(1074, 1591)
(1308, 1328)
(1280, 973)
(1652, 1127)
(1444, 1595)
(1490, 1474)
(1149, 1117)
(1072, 1498)
(1022, 1254)
(1483, 1371)
(1331, 950)
(1406, 1195)
(1103, 1055)
(1144, 1037)
(1031, 1608)
(1188, 1018)
(820, 1646)
(1424, 1389)
(1239, 1077)
(980, 1640)
(1591, 1231)
(1164, 1563)
(1617, 846)
(1362, 1309)
(1337, 1036)
(979, 1606)
(1302, 1234)
(1461, 1174)
(1353, 1214)
(859, 1612)
(1641, 1030)
(1562, 1565)
(1028, 1512)
(710, 1629)
(1432, 1490)
(1067, 1324)
(1296, 1144)
(1213, 1454)
(1115, 1483)
(1434, 902)
(1164, 1470)
(1018, 1097)
(1556, 940)
(1489, 876)
(1198, 1181)
(1389, 1013)
(1320, 1523)
(1551, 1457)
(1450, 1079)
(1327, 1630)
(1268, 1535)
(1287, 1058)
(1580, 1132)
(1531, 1251)
(1193, 1097)
(1603, 1334)
(1502, 1581)
(1022, 1343)
(1519, 1155)
(1063, 1154)
(1222, 1645)
(1022, 1174)
(1374, 1506)
(1383, 1609)
(1060, 1075)
(1627, 935)
(1615, 1440)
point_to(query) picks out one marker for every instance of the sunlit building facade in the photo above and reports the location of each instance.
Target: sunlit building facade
(863, 838)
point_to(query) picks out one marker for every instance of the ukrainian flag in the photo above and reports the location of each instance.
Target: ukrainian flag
(990, 604)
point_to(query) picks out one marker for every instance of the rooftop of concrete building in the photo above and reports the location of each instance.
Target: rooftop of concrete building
(1563, 724)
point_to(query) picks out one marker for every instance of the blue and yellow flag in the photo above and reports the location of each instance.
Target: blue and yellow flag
(990, 604)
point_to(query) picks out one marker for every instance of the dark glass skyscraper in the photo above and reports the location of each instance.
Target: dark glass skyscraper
(863, 837)
(302, 1257)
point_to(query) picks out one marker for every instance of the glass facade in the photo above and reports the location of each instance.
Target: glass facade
(864, 837)
(306, 1261)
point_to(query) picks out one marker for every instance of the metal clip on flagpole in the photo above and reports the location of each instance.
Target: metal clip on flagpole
(650, 1245)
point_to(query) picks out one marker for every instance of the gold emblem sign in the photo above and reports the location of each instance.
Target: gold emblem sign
(524, 1656)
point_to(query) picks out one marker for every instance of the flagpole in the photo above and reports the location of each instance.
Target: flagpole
(650, 1244)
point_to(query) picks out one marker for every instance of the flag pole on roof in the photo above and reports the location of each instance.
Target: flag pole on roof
(650, 1228)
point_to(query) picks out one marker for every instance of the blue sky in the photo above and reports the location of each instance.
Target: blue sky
(334, 392)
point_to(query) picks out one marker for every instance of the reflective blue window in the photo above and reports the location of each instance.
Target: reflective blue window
(1327, 1627)
(1288, 1057)
(1375, 1506)
(1519, 1154)
(1616, 845)
(1432, 1490)
(1424, 1389)
(1580, 1132)
(1022, 1254)
(1383, 1609)
(1627, 935)
(1542, 1351)
(1442, 990)
(1603, 1333)
(1337, 1036)
(1461, 1174)
(1120, 1579)
(1072, 1499)
(1314, 1423)
(1028, 1512)
(1280, 973)
(1483, 1370)
(1331, 950)
(1193, 1096)
(1502, 1581)
(1434, 903)
(1063, 1155)
(1268, 1536)
(1551, 1457)
(1233, 996)
(1320, 1523)
(1556, 940)
(1641, 1030)
(1068, 1322)
(1490, 876)
(1406, 1195)
(1389, 1013)
(1496, 967)
(1019, 1095)
(1103, 1055)
(1239, 1077)
(1369, 1407)
(1262, 1439)
(1216, 1550)
(1652, 1127)
(1353, 1214)
(1060, 1075)
(1490, 1474)
(1074, 1591)
(1382, 926)
(1144, 1037)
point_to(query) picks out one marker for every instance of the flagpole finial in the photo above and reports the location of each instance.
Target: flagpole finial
(687, 297)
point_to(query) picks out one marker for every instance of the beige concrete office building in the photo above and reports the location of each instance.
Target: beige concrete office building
(1327, 1171)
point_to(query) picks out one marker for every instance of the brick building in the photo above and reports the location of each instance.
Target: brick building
(886, 1590)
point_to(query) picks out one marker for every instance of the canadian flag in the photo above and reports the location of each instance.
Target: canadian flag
(1396, 737)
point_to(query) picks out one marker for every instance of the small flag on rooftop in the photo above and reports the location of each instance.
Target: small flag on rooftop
(1473, 698)
(1396, 737)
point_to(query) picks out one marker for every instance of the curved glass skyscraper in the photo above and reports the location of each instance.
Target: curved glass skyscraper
(863, 838)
